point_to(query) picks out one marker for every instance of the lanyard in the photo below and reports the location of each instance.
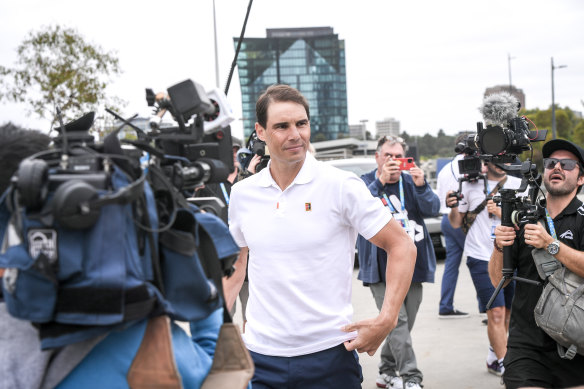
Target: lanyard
(550, 223)
(225, 195)
(401, 198)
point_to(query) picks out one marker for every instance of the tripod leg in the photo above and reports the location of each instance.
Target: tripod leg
(504, 281)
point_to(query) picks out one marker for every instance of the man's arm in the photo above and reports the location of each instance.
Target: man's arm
(232, 285)
(401, 259)
(537, 236)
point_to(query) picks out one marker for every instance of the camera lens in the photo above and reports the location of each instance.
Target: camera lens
(493, 140)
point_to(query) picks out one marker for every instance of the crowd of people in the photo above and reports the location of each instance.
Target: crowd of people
(296, 223)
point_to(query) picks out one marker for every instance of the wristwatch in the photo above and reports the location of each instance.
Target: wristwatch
(554, 247)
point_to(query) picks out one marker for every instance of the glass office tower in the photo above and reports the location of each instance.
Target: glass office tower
(310, 59)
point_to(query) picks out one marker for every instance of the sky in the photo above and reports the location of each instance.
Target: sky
(425, 63)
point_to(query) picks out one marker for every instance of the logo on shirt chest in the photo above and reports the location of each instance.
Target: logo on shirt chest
(307, 207)
(567, 235)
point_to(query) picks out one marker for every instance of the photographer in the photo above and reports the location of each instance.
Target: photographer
(532, 359)
(148, 350)
(478, 247)
(448, 180)
(409, 198)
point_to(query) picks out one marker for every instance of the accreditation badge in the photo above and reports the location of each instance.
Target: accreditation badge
(403, 220)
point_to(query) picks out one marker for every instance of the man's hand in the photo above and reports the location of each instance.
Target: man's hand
(451, 201)
(389, 171)
(493, 209)
(536, 236)
(251, 167)
(370, 334)
(504, 236)
(417, 175)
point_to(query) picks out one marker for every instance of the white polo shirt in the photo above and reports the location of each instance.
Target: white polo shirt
(301, 251)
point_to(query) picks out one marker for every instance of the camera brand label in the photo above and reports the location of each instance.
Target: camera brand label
(43, 241)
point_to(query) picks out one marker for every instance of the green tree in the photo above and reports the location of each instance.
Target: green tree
(57, 67)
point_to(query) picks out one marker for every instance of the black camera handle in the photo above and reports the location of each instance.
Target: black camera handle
(508, 199)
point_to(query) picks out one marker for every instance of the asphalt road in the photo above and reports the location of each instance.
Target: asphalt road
(451, 353)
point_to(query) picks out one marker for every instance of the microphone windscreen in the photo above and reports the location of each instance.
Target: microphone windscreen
(497, 109)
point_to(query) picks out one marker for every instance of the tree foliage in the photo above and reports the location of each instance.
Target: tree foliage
(57, 67)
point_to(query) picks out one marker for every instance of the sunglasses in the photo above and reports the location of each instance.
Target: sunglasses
(566, 164)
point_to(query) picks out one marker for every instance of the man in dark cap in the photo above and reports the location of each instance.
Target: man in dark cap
(532, 358)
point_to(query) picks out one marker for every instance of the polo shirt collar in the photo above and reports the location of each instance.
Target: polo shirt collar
(571, 208)
(304, 176)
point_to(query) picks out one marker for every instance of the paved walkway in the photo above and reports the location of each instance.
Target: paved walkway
(451, 353)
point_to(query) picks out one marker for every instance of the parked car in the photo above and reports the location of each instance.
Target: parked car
(360, 166)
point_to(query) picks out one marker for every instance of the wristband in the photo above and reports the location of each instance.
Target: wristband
(499, 249)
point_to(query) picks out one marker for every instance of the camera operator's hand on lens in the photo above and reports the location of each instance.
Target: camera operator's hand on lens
(251, 167)
(493, 209)
(504, 236)
(536, 236)
(390, 172)
(417, 175)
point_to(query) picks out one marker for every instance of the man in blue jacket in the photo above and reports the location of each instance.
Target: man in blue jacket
(410, 199)
(103, 361)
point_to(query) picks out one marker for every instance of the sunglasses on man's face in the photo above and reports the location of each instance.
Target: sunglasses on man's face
(566, 164)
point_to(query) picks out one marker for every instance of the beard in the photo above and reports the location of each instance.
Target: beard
(562, 190)
(495, 172)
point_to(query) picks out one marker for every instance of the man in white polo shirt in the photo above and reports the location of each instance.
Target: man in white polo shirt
(299, 220)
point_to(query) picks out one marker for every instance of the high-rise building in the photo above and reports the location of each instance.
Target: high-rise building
(387, 127)
(311, 60)
(357, 131)
(518, 93)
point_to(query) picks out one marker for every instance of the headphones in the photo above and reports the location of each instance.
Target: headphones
(76, 203)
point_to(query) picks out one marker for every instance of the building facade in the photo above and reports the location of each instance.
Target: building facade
(387, 127)
(311, 60)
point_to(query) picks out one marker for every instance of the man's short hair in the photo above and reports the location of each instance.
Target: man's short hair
(16, 144)
(279, 93)
(391, 140)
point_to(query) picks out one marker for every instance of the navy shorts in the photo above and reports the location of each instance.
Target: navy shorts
(479, 271)
(333, 368)
(541, 368)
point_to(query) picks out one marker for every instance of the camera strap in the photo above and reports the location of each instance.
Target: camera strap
(469, 217)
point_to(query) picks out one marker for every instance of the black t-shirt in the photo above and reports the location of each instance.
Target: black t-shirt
(523, 332)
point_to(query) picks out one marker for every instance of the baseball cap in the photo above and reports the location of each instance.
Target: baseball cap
(561, 144)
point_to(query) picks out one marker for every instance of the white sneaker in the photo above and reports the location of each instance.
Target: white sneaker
(395, 383)
(413, 385)
(387, 381)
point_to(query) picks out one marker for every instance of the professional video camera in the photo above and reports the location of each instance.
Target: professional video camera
(506, 134)
(199, 149)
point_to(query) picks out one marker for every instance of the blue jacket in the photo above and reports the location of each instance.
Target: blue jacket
(420, 202)
(106, 366)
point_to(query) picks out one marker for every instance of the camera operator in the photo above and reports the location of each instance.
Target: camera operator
(151, 351)
(532, 359)
(477, 247)
(447, 180)
(410, 199)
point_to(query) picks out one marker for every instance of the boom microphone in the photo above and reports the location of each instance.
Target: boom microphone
(499, 108)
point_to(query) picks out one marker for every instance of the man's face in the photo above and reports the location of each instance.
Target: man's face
(494, 172)
(560, 182)
(287, 132)
(389, 151)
